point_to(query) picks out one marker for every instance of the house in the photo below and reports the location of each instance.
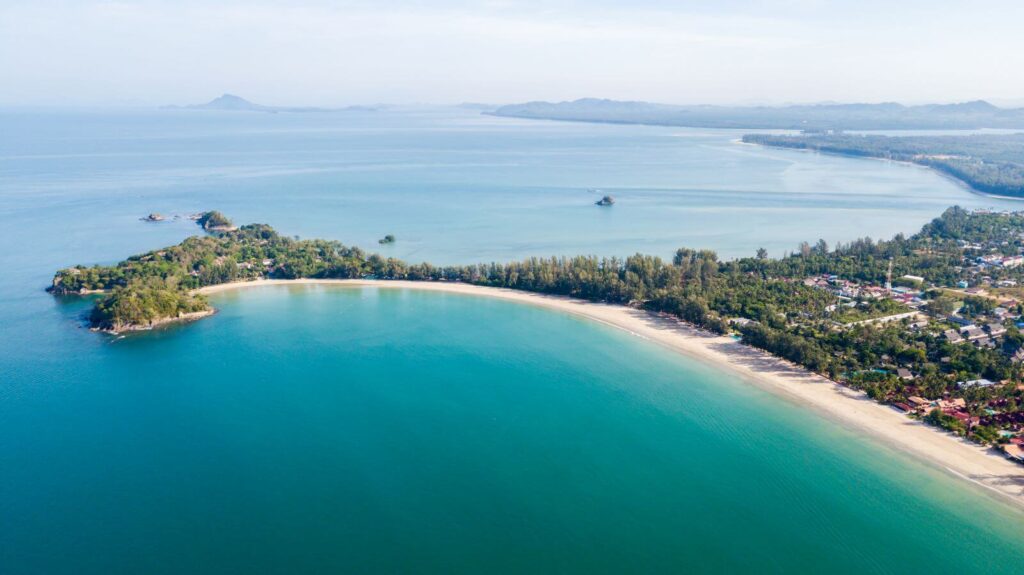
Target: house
(962, 284)
(975, 383)
(995, 329)
(919, 403)
(917, 279)
(904, 374)
(918, 325)
(990, 260)
(963, 417)
(741, 321)
(959, 320)
(973, 333)
(1012, 261)
(952, 336)
(952, 405)
(1018, 356)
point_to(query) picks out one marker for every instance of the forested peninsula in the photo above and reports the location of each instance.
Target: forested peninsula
(826, 116)
(989, 163)
(928, 323)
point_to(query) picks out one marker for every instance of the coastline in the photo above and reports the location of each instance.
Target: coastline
(181, 318)
(962, 183)
(981, 466)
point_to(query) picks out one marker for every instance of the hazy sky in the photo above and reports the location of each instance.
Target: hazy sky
(319, 52)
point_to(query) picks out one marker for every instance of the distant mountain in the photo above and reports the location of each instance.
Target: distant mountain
(233, 103)
(812, 117)
(228, 102)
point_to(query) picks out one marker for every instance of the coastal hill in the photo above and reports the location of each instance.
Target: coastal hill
(829, 116)
(233, 103)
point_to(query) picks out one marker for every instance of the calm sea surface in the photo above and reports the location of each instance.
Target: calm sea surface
(317, 429)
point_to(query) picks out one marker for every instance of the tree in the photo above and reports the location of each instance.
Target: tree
(976, 398)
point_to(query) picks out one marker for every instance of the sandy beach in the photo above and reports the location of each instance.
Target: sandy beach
(982, 466)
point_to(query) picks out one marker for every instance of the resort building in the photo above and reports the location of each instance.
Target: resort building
(975, 383)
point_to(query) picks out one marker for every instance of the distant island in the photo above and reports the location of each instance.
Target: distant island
(885, 116)
(929, 324)
(233, 103)
(388, 239)
(989, 163)
(606, 201)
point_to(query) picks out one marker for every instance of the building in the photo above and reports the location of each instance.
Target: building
(904, 374)
(952, 336)
(973, 333)
(952, 404)
(920, 404)
(919, 324)
(995, 329)
(1011, 262)
(975, 383)
(1018, 356)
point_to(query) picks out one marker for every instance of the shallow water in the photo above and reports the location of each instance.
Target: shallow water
(452, 185)
(362, 430)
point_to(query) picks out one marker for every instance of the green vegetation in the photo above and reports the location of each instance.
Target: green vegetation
(144, 305)
(213, 221)
(808, 307)
(988, 163)
(947, 422)
(868, 310)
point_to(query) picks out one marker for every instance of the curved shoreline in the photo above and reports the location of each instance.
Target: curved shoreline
(982, 466)
(959, 182)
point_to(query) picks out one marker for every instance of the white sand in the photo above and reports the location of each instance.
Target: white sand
(982, 466)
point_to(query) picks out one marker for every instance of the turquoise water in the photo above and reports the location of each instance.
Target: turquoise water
(316, 429)
(343, 430)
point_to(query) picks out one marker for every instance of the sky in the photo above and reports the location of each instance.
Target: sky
(332, 53)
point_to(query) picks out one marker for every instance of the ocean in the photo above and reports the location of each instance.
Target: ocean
(328, 429)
